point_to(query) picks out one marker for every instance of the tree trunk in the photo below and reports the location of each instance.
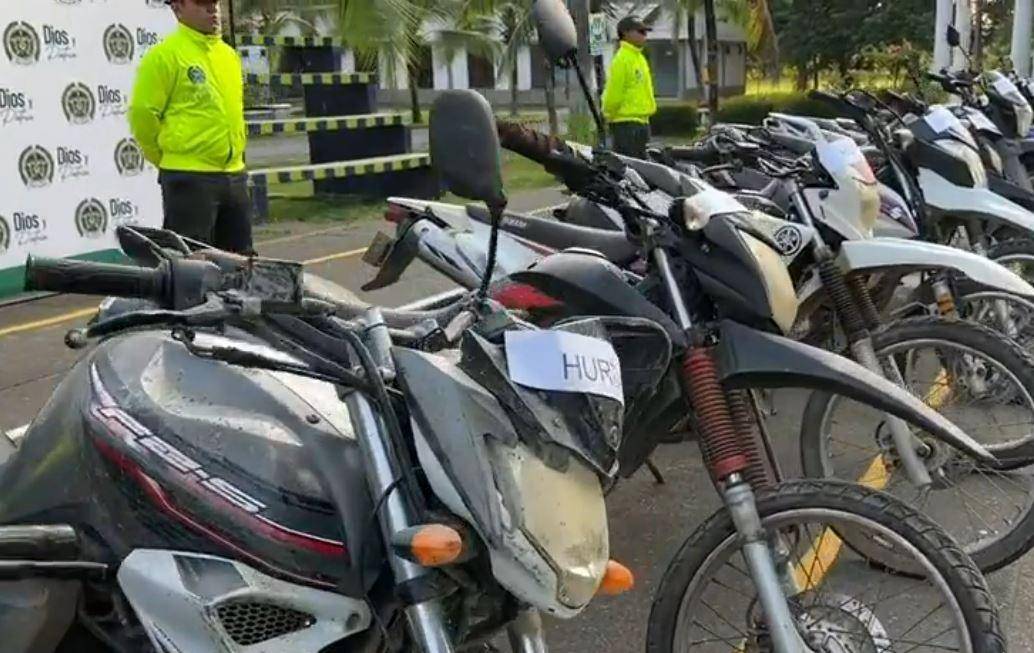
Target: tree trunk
(801, 83)
(514, 109)
(694, 54)
(773, 67)
(978, 34)
(414, 94)
(551, 110)
(711, 24)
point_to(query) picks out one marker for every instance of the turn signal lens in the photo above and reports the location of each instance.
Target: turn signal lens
(430, 545)
(617, 579)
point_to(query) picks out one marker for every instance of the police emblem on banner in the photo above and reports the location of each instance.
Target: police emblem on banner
(21, 43)
(78, 103)
(118, 44)
(91, 218)
(129, 158)
(5, 235)
(36, 166)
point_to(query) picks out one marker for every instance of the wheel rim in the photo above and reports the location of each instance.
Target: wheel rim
(980, 308)
(873, 616)
(976, 505)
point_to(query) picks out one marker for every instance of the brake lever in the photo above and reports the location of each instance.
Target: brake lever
(212, 313)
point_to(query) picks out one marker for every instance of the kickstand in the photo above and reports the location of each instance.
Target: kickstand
(658, 477)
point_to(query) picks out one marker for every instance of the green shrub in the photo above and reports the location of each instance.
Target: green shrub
(752, 109)
(675, 120)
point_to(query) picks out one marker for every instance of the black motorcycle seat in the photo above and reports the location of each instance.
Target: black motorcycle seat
(560, 235)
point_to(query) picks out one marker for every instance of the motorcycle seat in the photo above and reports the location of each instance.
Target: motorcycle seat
(560, 235)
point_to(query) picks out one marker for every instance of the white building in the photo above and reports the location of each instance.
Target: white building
(670, 75)
(672, 78)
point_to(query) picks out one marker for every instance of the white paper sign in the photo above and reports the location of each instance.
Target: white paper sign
(1004, 86)
(940, 120)
(980, 121)
(842, 156)
(567, 362)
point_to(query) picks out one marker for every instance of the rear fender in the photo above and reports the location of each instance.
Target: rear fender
(753, 359)
(452, 215)
(881, 253)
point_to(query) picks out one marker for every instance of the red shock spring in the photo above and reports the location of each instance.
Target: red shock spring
(721, 445)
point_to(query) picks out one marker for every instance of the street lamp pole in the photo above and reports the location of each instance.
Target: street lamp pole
(941, 50)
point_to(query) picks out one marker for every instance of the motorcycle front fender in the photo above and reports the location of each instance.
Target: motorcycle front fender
(881, 253)
(977, 203)
(753, 359)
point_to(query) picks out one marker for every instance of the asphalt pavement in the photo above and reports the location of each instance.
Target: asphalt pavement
(648, 521)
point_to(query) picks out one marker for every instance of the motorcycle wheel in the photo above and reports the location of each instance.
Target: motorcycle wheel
(707, 602)
(989, 512)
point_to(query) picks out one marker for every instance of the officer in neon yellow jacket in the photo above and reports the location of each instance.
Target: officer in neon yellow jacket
(187, 113)
(628, 99)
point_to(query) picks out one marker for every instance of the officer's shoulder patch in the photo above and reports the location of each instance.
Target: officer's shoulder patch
(196, 74)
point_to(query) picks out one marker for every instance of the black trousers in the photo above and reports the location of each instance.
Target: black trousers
(630, 138)
(211, 207)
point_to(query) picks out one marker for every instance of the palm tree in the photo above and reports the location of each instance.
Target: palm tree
(395, 32)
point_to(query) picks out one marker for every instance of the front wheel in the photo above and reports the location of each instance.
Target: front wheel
(982, 382)
(841, 602)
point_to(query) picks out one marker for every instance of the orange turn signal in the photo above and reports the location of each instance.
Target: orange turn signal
(429, 545)
(617, 579)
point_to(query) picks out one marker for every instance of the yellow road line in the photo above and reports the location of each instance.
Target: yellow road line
(87, 312)
(820, 558)
(50, 321)
(335, 257)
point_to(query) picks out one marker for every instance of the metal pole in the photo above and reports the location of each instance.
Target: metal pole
(941, 50)
(1023, 18)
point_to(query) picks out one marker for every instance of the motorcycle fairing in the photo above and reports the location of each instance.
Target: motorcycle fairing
(963, 203)
(882, 253)
(752, 359)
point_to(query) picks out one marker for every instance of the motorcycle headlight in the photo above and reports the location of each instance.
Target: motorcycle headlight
(969, 156)
(556, 516)
(782, 298)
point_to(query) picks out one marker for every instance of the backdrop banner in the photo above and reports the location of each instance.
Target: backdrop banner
(71, 173)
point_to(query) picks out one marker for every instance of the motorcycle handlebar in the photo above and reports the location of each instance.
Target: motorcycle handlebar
(177, 284)
(87, 278)
(706, 154)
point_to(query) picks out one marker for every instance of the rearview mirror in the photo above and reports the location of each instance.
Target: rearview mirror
(954, 38)
(465, 146)
(557, 34)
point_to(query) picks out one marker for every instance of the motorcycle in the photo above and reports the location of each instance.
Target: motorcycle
(245, 463)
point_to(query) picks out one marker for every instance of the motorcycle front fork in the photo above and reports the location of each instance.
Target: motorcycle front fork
(859, 316)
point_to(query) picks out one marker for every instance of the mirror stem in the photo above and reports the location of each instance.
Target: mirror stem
(495, 210)
(601, 127)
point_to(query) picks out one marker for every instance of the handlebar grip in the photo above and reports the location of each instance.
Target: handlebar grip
(86, 278)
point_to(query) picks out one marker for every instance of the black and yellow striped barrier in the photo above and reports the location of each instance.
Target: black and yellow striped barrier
(339, 170)
(337, 123)
(309, 79)
(288, 41)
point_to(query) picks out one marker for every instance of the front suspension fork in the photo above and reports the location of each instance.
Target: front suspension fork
(859, 315)
(737, 460)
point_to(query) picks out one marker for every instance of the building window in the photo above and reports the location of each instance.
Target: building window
(481, 71)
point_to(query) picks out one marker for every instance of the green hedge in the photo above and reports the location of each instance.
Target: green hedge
(752, 109)
(675, 120)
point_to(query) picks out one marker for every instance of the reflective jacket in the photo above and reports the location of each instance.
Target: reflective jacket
(187, 110)
(628, 95)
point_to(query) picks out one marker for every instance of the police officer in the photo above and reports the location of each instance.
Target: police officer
(628, 100)
(187, 113)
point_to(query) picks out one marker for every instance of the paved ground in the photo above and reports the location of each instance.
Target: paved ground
(648, 521)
